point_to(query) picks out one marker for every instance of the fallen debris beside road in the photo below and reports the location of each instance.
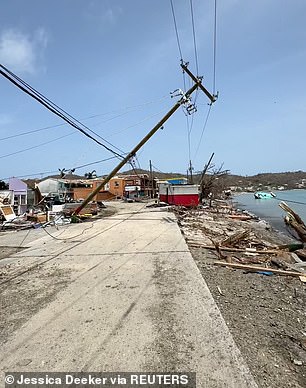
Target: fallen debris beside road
(238, 240)
(241, 260)
(293, 220)
(256, 268)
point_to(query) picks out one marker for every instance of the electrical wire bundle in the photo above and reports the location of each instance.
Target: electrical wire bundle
(51, 106)
(189, 124)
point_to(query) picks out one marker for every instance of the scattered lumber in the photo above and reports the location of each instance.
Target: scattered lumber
(300, 230)
(294, 221)
(256, 268)
(279, 263)
(291, 247)
(292, 213)
(240, 217)
(220, 254)
(7, 212)
(301, 254)
(234, 238)
(232, 249)
(254, 260)
(286, 257)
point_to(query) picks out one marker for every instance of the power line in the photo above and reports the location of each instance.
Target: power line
(55, 256)
(90, 164)
(53, 172)
(176, 31)
(203, 129)
(189, 140)
(194, 38)
(215, 47)
(86, 118)
(29, 175)
(138, 123)
(32, 131)
(288, 200)
(36, 146)
(52, 107)
(134, 168)
(157, 169)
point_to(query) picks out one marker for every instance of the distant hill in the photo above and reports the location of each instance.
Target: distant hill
(272, 181)
(288, 180)
(156, 174)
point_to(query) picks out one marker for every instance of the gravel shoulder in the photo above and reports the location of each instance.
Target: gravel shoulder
(265, 314)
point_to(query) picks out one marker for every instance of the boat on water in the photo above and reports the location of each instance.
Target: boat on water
(264, 195)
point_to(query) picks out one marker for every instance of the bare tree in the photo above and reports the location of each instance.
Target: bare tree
(211, 184)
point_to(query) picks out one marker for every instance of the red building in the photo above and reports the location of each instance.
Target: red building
(184, 195)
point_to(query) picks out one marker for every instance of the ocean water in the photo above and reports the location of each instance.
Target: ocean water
(269, 210)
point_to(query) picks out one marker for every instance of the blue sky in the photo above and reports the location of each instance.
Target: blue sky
(118, 60)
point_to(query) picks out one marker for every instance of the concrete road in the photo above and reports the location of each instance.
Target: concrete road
(134, 301)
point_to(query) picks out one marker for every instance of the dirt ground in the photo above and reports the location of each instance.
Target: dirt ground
(265, 314)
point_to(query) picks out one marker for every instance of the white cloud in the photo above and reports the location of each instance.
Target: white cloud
(20, 52)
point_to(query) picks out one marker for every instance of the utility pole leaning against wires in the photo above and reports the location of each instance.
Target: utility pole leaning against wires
(185, 98)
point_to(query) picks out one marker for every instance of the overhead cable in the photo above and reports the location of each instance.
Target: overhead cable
(203, 130)
(36, 146)
(85, 118)
(194, 38)
(53, 107)
(176, 31)
(91, 163)
(33, 131)
(70, 117)
(157, 169)
(138, 123)
(54, 172)
(215, 47)
(188, 136)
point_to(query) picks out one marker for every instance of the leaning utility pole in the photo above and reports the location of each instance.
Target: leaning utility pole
(198, 80)
(206, 167)
(182, 100)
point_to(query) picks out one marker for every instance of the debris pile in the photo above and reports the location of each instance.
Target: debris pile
(42, 216)
(240, 240)
(293, 220)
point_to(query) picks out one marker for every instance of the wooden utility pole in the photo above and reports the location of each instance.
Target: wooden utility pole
(190, 175)
(151, 179)
(182, 100)
(212, 97)
(206, 168)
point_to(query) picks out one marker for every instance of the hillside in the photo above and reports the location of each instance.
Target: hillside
(263, 181)
(286, 180)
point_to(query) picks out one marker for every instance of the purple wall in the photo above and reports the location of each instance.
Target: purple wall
(17, 186)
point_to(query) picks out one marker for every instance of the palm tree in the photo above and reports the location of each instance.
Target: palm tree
(63, 172)
(91, 175)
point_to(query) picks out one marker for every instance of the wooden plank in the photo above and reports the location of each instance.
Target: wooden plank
(7, 212)
(301, 253)
(256, 268)
(229, 249)
(234, 238)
